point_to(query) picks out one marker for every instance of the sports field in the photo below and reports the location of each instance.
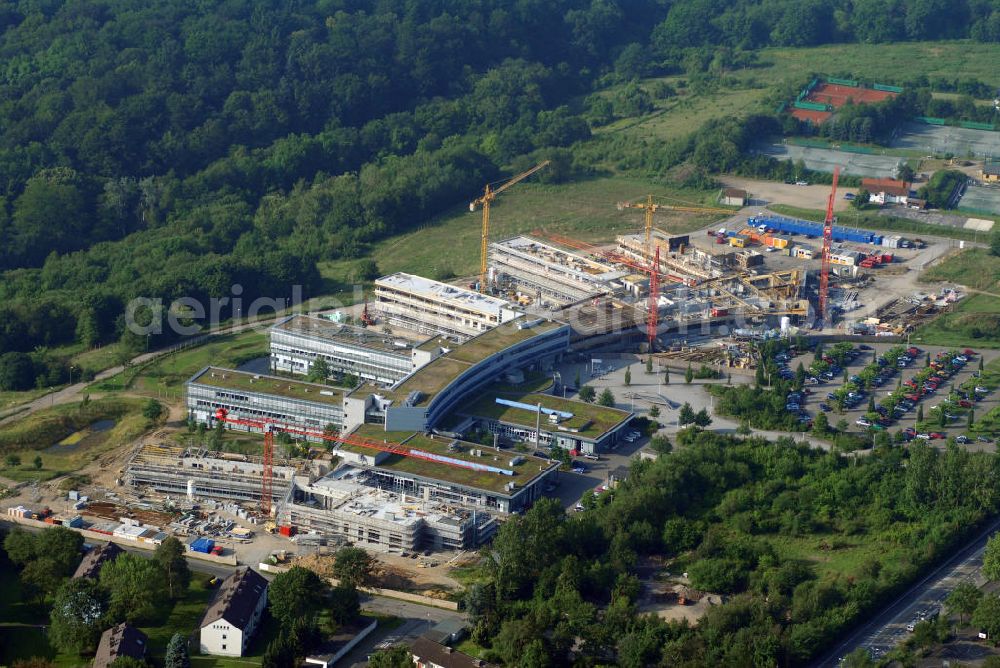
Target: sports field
(825, 159)
(981, 198)
(941, 140)
(837, 95)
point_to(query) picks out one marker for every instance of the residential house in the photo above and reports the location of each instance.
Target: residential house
(92, 562)
(887, 191)
(118, 641)
(429, 654)
(234, 614)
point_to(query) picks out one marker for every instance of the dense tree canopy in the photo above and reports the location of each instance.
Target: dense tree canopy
(167, 149)
(730, 508)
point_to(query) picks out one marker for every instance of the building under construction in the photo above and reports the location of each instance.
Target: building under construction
(532, 271)
(431, 307)
(197, 473)
(344, 503)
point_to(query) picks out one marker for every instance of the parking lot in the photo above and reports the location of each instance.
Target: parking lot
(853, 413)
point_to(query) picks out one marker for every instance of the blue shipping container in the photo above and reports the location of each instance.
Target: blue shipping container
(203, 545)
(809, 228)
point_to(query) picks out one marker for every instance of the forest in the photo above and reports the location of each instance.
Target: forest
(803, 543)
(166, 149)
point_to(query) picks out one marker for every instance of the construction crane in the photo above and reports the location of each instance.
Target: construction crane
(824, 275)
(650, 207)
(269, 427)
(653, 312)
(489, 194)
(653, 269)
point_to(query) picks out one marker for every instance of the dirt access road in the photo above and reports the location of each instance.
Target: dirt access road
(763, 193)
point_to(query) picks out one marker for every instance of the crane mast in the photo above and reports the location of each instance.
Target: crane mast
(653, 316)
(489, 194)
(824, 275)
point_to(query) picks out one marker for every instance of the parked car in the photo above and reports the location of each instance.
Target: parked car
(863, 422)
(825, 407)
(963, 439)
(864, 346)
(936, 436)
(984, 439)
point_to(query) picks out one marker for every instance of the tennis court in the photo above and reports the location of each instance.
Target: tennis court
(981, 198)
(837, 95)
(825, 159)
(943, 139)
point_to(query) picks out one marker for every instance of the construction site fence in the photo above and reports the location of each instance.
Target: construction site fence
(842, 82)
(378, 591)
(857, 149)
(888, 89)
(781, 107)
(226, 560)
(930, 120)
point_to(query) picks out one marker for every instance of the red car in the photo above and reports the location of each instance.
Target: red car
(936, 435)
(965, 403)
(968, 352)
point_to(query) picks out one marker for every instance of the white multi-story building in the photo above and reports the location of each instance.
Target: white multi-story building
(431, 307)
(234, 614)
(299, 340)
(540, 272)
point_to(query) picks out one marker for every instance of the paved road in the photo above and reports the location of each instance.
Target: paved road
(888, 628)
(74, 392)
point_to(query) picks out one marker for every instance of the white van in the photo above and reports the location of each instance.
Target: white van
(592, 457)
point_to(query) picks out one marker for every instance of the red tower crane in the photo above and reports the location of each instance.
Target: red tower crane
(653, 315)
(654, 271)
(824, 275)
(269, 426)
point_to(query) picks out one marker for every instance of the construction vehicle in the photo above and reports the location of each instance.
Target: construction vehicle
(366, 318)
(489, 194)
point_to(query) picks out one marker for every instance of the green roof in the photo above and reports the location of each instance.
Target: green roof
(230, 379)
(589, 420)
(498, 338)
(435, 376)
(524, 472)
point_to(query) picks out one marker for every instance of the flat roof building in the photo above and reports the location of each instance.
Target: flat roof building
(422, 399)
(191, 473)
(521, 480)
(299, 340)
(345, 503)
(431, 307)
(567, 423)
(541, 272)
(257, 396)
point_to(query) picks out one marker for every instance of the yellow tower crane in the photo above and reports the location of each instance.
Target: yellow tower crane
(489, 194)
(649, 207)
